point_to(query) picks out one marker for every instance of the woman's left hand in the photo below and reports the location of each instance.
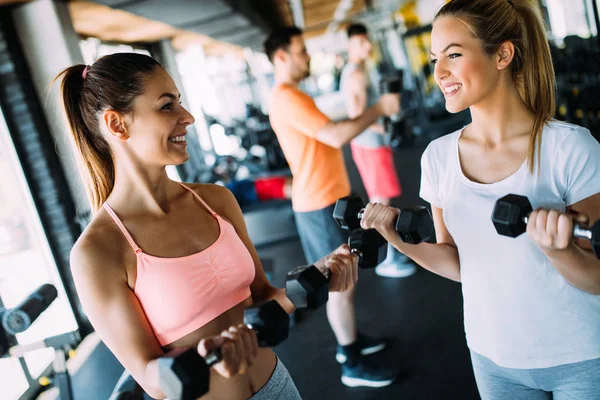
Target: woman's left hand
(551, 229)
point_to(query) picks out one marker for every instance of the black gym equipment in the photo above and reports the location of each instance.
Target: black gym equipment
(127, 389)
(511, 214)
(20, 318)
(370, 247)
(414, 224)
(64, 347)
(307, 287)
(386, 86)
(184, 374)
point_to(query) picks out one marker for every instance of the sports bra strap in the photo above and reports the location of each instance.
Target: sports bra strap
(112, 213)
(199, 199)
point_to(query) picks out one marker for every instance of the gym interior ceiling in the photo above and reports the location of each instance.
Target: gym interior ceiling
(219, 25)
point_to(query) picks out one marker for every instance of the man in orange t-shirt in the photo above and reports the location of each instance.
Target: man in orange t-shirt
(312, 146)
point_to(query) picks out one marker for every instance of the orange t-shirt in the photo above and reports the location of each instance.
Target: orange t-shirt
(319, 172)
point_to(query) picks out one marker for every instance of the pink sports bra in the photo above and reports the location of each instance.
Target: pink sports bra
(180, 295)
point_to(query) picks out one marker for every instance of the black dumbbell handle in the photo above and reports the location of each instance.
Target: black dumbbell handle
(326, 273)
(579, 231)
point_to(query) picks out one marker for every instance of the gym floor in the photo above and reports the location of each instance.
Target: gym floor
(421, 316)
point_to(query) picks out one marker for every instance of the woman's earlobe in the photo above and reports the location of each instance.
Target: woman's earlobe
(116, 125)
(506, 54)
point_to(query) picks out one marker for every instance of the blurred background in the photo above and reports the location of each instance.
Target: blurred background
(213, 50)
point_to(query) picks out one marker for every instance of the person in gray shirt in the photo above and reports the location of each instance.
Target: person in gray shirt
(371, 150)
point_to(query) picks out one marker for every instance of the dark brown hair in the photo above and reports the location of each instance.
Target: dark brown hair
(113, 82)
(280, 39)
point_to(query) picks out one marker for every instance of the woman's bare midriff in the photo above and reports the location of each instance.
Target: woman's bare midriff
(241, 386)
(194, 221)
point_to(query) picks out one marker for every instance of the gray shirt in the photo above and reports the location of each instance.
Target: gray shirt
(368, 138)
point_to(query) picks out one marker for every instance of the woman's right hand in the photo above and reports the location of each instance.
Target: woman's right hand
(380, 217)
(239, 349)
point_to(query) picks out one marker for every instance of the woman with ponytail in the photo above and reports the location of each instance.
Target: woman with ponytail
(532, 303)
(164, 265)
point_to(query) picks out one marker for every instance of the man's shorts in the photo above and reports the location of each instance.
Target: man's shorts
(377, 171)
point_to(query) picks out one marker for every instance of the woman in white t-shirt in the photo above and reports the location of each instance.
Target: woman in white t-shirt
(531, 303)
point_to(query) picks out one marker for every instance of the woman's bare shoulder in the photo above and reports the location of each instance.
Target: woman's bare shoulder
(101, 245)
(218, 197)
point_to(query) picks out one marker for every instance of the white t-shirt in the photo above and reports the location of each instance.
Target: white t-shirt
(519, 311)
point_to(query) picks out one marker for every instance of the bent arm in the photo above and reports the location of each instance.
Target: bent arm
(337, 134)
(441, 257)
(355, 98)
(577, 263)
(115, 312)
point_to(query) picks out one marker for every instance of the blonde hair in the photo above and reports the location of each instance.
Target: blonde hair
(495, 22)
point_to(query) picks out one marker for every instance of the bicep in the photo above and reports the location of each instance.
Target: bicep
(356, 98)
(589, 207)
(441, 231)
(114, 312)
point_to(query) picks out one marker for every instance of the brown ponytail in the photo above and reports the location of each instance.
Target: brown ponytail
(113, 82)
(520, 22)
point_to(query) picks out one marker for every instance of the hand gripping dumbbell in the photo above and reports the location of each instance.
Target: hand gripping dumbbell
(308, 287)
(414, 224)
(394, 86)
(184, 374)
(511, 214)
(370, 247)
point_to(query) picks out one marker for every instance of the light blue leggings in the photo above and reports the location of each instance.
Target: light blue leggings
(577, 381)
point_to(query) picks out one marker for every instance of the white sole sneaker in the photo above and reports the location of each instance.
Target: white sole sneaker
(390, 270)
(356, 382)
(341, 358)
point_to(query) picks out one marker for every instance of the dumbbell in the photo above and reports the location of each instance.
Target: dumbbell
(370, 247)
(390, 85)
(511, 213)
(414, 224)
(308, 287)
(184, 374)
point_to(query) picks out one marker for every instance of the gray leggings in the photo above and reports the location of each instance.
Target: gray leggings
(577, 381)
(280, 386)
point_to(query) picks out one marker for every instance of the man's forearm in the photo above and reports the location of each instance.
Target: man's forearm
(340, 133)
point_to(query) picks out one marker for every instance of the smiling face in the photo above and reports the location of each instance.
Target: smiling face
(156, 127)
(463, 71)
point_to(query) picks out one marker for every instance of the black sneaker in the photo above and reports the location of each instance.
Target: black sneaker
(366, 344)
(364, 374)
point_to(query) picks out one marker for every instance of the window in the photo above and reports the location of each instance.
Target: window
(575, 17)
(25, 263)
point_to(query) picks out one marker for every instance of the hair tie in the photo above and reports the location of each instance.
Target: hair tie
(511, 3)
(85, 71)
